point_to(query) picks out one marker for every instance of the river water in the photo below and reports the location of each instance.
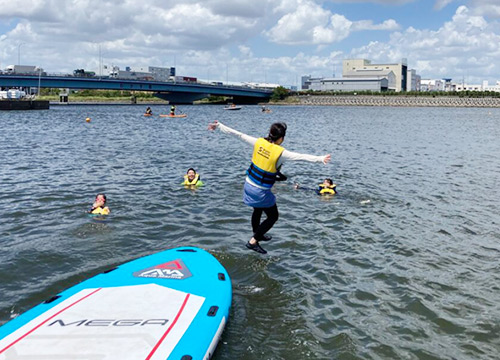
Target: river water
(402, 264)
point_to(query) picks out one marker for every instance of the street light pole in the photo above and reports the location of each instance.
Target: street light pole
(39, 81)
(19, 53)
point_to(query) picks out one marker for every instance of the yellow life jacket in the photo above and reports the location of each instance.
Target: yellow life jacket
(327, 189)
(262, 170)
(194, 182)
(100, 211)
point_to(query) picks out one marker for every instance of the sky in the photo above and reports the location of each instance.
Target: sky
(272, 41)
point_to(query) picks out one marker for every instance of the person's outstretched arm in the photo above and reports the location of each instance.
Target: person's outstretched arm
(290, 155)
(227, 130)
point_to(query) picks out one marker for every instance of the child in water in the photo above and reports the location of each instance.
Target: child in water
(192, 179)
(327, 187)
(99, 207)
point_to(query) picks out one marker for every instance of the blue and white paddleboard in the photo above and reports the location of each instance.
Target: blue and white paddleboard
(169, 305)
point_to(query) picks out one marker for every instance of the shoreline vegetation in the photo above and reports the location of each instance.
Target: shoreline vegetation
(282, 96)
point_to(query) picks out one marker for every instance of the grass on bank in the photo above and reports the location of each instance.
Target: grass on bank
(116, 96)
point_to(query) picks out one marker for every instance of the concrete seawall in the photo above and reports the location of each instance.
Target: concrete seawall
(24, 105)
(412, 101)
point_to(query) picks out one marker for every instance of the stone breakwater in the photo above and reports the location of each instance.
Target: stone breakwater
(417, 101)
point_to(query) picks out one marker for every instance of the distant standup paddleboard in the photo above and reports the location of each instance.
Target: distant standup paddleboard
(174, 116)
(169, 305)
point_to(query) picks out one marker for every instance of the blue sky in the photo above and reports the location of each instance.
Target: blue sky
(255, 40)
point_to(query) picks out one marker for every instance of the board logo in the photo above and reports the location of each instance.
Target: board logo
(175, 269)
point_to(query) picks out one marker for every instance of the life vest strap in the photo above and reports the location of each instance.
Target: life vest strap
(260, 176)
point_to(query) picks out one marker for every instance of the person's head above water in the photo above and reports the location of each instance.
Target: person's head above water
(100, 198)
(191, 173)
(328, 181)
(277, 133)
(99, 202)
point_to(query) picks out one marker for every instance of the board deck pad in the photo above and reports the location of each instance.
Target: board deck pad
(131, 321)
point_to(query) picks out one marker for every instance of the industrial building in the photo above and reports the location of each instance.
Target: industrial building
(362, 75)
(345, 84)
(376, 74)
(358, 67)
(412, 80)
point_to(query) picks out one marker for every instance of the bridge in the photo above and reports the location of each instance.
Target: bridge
(177, 93)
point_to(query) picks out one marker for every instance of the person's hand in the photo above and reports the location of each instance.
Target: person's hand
(296, 186)
(327, 159)
(213, 126)
(98, 203)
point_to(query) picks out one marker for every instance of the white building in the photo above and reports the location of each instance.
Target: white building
(432, 85)
(477, 87)
(130, 74)
(161, 73)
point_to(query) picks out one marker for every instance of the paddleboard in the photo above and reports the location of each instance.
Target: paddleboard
(173, 116)
(170, 305)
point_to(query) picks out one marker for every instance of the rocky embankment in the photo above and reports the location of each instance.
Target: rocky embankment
(417, 101)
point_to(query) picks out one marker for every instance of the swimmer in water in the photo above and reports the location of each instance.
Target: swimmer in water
(327, 187)
(99, 207)
(192, 179)
(268, 156)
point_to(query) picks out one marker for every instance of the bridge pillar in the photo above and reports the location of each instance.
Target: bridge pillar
(180, 98)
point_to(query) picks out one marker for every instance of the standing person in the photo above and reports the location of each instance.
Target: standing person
(172, 110)
(268, 156)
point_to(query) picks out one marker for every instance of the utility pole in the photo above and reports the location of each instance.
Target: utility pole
(39, 80)
(19, 53)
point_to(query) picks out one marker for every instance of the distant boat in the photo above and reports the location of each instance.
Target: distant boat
(232, 107)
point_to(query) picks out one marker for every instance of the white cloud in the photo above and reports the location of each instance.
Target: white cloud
(368, 25)
(440, 4)
(466, 44)
(488, 8)
(310, 24)
(383, 2)
(202, 38)
(245, 51)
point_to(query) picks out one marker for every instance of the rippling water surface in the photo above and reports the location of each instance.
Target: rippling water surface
(402, 264)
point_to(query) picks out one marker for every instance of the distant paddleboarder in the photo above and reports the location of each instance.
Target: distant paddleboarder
(268, 156)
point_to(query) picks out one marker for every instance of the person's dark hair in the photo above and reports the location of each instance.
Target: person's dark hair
(330, 181)
(191, 169)
(276, 131)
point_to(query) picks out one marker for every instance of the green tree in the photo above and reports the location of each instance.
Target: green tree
(279, 93)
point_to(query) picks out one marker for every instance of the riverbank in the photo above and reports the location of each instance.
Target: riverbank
(393, 100)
